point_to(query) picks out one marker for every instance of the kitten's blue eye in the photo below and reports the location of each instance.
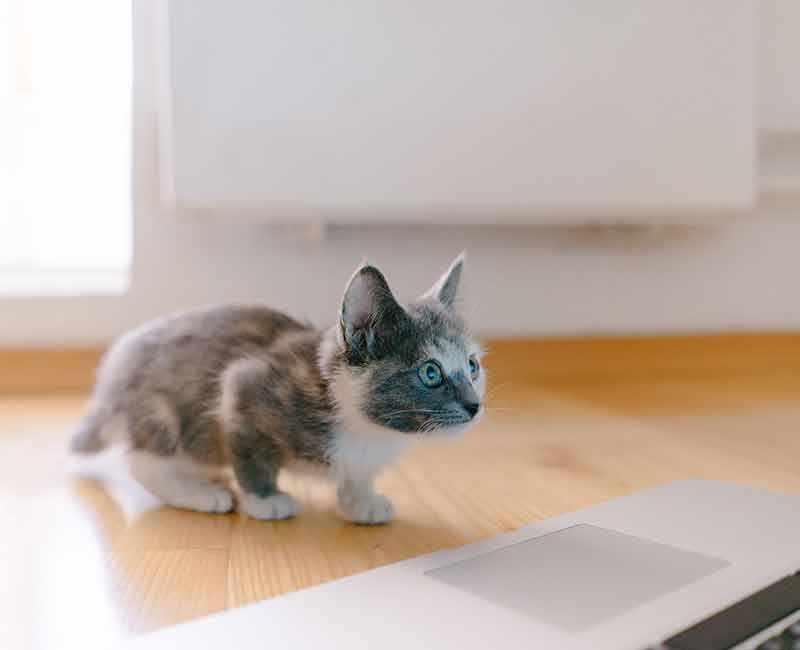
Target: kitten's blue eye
(474, 367)
(430, 373)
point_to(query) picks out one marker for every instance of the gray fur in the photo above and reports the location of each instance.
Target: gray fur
(253, 389)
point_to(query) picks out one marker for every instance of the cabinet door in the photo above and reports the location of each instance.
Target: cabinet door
(520, 111)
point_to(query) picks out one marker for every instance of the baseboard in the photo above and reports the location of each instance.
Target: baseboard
(38, 370)
(45, 370)
(629, 358)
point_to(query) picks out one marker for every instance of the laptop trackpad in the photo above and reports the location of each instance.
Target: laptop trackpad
(578, 577)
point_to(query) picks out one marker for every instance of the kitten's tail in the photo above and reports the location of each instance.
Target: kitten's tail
(91, 434)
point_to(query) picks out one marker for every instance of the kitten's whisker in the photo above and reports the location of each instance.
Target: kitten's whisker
(425, 411)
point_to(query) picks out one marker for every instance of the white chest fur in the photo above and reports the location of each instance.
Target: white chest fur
(357, 458)
(359, 447)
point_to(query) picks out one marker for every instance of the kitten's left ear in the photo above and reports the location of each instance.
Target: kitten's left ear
(445, 290)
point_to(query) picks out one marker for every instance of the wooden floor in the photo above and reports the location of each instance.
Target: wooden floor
(88, 557)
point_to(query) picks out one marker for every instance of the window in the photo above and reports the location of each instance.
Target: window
(65, 146)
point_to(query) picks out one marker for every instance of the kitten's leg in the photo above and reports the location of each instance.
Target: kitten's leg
(164, 477)
(256, 463)
(361, 504)
(354, 464)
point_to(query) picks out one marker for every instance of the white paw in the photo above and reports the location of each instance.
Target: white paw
(217, 499)
(203, 499)
(367, 509)
(276, 506)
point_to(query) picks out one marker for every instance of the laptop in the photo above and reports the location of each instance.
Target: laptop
(693, 565)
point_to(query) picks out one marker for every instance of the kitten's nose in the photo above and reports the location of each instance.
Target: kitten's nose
(472, 408)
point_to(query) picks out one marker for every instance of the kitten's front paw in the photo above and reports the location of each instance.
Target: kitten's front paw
(276, 506)
(367, 509)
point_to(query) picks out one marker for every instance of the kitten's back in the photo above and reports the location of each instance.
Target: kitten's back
(159, 383)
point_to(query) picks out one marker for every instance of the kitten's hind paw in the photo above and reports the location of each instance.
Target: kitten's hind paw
(199, 497)
(217, 499)
(276, 506)
(368, 509)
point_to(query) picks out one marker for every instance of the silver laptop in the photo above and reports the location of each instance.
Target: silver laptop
(693, 565)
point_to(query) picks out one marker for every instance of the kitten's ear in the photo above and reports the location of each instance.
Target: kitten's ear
(445, 290)
(369, 315)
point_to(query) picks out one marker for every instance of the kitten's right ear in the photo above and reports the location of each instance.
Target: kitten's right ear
(369, 315)
(445, 290)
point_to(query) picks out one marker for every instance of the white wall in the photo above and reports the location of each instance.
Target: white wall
(742, 275)
(779, 72)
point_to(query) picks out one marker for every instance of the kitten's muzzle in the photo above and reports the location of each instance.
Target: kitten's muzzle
(471, 408)
(467, 398)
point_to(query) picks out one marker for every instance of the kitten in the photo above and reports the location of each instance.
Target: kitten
(250, 389)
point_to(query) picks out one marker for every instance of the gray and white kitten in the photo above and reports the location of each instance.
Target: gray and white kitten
(197, 394)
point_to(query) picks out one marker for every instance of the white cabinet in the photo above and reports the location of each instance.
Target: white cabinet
(520, 111)
(779, 66)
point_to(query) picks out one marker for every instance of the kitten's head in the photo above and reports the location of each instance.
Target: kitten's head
(412, 369)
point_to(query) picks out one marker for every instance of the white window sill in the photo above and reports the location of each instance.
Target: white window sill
(59, 283)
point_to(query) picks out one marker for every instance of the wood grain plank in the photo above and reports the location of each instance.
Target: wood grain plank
(159, 587)
(572, 424)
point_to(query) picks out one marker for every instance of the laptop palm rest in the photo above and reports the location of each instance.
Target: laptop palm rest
(578, 577)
